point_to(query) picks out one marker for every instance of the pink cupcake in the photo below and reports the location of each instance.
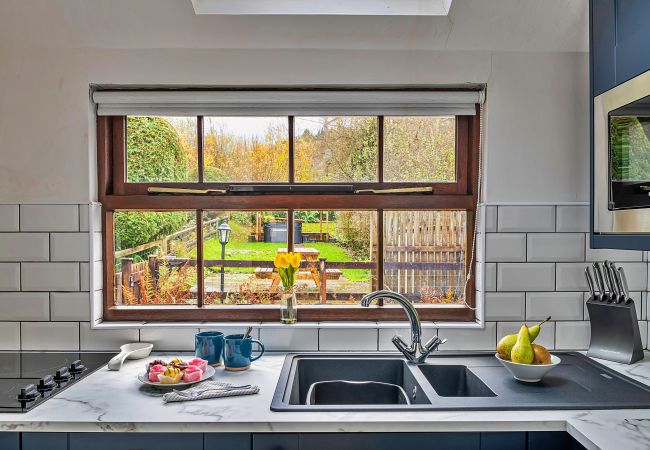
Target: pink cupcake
(200, 363)
(155, 371)
(192, 373)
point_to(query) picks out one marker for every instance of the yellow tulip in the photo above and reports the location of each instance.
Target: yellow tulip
(294, 259)
(281, 261)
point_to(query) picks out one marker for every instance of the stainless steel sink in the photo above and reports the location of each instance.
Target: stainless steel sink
(447, 381)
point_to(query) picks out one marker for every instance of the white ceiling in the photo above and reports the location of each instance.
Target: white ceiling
(496, 25)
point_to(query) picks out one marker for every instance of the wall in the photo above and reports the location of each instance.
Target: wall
(536, 144)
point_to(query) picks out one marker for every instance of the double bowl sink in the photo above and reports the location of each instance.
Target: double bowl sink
(464, 381)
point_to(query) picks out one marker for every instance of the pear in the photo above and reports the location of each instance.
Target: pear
(522, 351)
(541, 355)
(504, 347)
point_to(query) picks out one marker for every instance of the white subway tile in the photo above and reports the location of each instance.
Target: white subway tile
(24, 306)
(572, 335)
(106, 339)
(552, 247)
(68, 306)
(505, 247)
(572, 218)
(9, 277)
(505, 306)
(9, 218)
(50, 336)
(636, 275)
(69, 247)
(97, 247)
(50, 276)
(571, 277)
(469, 338)
(643, 330)
(526, 277)
(386, 336)
(526, 218)
(169, 339)
(490, 219)
(490, 277)
(598, 254)
(98, 276)
(96, 217)
(289, 339)
(49, 218)
(9, 335)
(347, 339)
(546, 335)
(558, 305)
(24, 247)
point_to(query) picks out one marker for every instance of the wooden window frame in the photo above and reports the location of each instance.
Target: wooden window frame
(115, 194)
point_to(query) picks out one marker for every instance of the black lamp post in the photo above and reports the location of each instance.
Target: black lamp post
(224, 236)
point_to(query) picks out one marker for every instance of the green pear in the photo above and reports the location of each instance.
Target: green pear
(504, 347)
(522, 351)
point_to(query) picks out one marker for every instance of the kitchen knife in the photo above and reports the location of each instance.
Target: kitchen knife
(598, 276)
(619, 284)
(609, 281)
(590, 282)
(626, 289)
(614, 279)
(602, 274)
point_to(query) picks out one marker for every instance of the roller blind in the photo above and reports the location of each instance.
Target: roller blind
(283, 103)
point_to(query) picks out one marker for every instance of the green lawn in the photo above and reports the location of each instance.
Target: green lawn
(244, 250)
(315, 227)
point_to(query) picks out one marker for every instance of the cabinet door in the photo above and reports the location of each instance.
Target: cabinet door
(135, 441)
(49, 441)
(557, 440)
(9, 441)
(275, 441)
(633, 36)
(227, 441)
(389, 441)
(499, 441)
(603, 45)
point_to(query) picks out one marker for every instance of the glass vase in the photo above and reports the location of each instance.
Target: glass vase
(289, 308)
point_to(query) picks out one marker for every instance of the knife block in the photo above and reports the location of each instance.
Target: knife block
(615, 332)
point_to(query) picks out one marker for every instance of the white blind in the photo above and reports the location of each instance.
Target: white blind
(284, 103)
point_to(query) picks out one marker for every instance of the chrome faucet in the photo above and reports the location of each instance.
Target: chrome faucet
(415, 353)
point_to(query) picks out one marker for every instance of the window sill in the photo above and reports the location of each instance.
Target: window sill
(301, 325)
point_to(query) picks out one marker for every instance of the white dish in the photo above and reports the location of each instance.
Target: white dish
(528, 373)
(209, 373)
(136, 350)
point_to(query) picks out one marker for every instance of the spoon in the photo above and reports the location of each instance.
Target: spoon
(248, 332)
(136, 350)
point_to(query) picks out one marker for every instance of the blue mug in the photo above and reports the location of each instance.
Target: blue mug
(208, 345)
(238, 353)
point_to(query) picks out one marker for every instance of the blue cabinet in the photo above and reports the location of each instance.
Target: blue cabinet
(40, 441)
(276, 441)
(391, 441)
(603, 45)
(135, 441)
(9, 441)
(227, 441)
(632, 38)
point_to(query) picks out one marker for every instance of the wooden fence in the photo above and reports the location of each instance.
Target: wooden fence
(424, 250)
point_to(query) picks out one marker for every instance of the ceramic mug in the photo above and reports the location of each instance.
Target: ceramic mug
(238, 352)
(208, 345)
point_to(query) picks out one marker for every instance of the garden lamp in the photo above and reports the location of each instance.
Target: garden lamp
(224, 236)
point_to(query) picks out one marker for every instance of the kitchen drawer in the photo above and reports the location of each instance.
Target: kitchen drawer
(277, 441)
(41, 441)
(135, 441)
(227, 441)
(557, 440)
(9, 441)
(390, 441)
(500, 441)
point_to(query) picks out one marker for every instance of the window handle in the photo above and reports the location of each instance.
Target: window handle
(164, 190)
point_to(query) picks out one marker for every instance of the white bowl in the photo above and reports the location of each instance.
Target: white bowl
(529, 373)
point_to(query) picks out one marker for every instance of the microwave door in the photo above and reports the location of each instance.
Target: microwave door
(629, 156)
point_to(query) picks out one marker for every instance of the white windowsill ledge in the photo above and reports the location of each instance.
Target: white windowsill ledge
(274, 325)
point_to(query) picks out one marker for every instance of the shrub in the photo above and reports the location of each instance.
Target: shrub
(136, 228)
(353, 231)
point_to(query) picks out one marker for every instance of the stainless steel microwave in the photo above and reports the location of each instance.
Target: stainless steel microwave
(622, 158)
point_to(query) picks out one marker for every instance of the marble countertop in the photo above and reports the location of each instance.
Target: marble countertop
(117, 401)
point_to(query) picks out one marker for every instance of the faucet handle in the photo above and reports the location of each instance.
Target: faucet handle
(402, 347)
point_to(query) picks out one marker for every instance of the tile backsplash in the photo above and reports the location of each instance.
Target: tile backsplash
(533, 258)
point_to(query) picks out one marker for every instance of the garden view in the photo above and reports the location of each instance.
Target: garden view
(155, 252)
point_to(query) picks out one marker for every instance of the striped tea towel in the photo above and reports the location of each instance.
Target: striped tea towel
(209, 389)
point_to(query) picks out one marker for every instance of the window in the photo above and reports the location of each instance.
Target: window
(249, 186)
